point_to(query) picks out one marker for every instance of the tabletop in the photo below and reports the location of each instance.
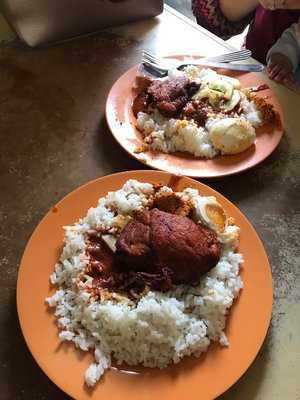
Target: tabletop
(54, 137)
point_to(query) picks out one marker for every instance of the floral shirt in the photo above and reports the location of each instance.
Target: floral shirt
(209, 15)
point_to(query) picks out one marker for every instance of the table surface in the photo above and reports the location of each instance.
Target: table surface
(54, 137)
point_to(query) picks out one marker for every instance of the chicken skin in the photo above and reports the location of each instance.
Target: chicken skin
(157, 240)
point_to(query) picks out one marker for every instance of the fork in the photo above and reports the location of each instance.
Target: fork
(160, 67)
(233, 56)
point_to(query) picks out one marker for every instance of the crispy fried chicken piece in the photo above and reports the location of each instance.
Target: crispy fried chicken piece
(143, 81)
(188, 249)
(172, 203)
(267, 110)
(170, 95)
(134, 243)
(158, 240)
(197, 110)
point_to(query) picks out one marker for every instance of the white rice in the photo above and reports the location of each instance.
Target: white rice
(169, 135)
(160, 328)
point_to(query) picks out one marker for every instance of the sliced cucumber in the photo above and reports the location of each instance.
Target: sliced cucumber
(233, 102)
(233, 81)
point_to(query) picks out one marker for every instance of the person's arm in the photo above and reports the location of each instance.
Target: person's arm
(284, 56)
(237, 10)
(210, 15)
(288, 45)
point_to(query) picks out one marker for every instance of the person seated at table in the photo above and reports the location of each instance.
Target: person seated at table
(284, 57)
(268, 20)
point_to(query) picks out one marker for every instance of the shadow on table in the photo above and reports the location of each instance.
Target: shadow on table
(20, 376)
(258, 180)
(109, 155)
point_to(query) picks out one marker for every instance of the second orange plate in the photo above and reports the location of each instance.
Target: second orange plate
(122, 125)
(194, 379)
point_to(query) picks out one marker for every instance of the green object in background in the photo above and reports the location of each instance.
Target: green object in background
(6, 33)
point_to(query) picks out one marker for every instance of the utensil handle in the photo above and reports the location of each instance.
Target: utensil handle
(235, 67)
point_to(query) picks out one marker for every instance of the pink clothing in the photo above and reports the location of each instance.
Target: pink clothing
(265, 28)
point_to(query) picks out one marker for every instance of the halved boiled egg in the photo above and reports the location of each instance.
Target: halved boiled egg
(211, 213)
(231, 135)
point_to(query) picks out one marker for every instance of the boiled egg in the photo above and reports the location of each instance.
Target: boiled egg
(232, 135)
(211, 213)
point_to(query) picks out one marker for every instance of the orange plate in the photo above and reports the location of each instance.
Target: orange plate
(122, 124)
(204, 378)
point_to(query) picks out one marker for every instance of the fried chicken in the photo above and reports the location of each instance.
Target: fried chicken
(171, 95)
(156, 240)
(172, 203)
(267, 110)
(197, 110)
